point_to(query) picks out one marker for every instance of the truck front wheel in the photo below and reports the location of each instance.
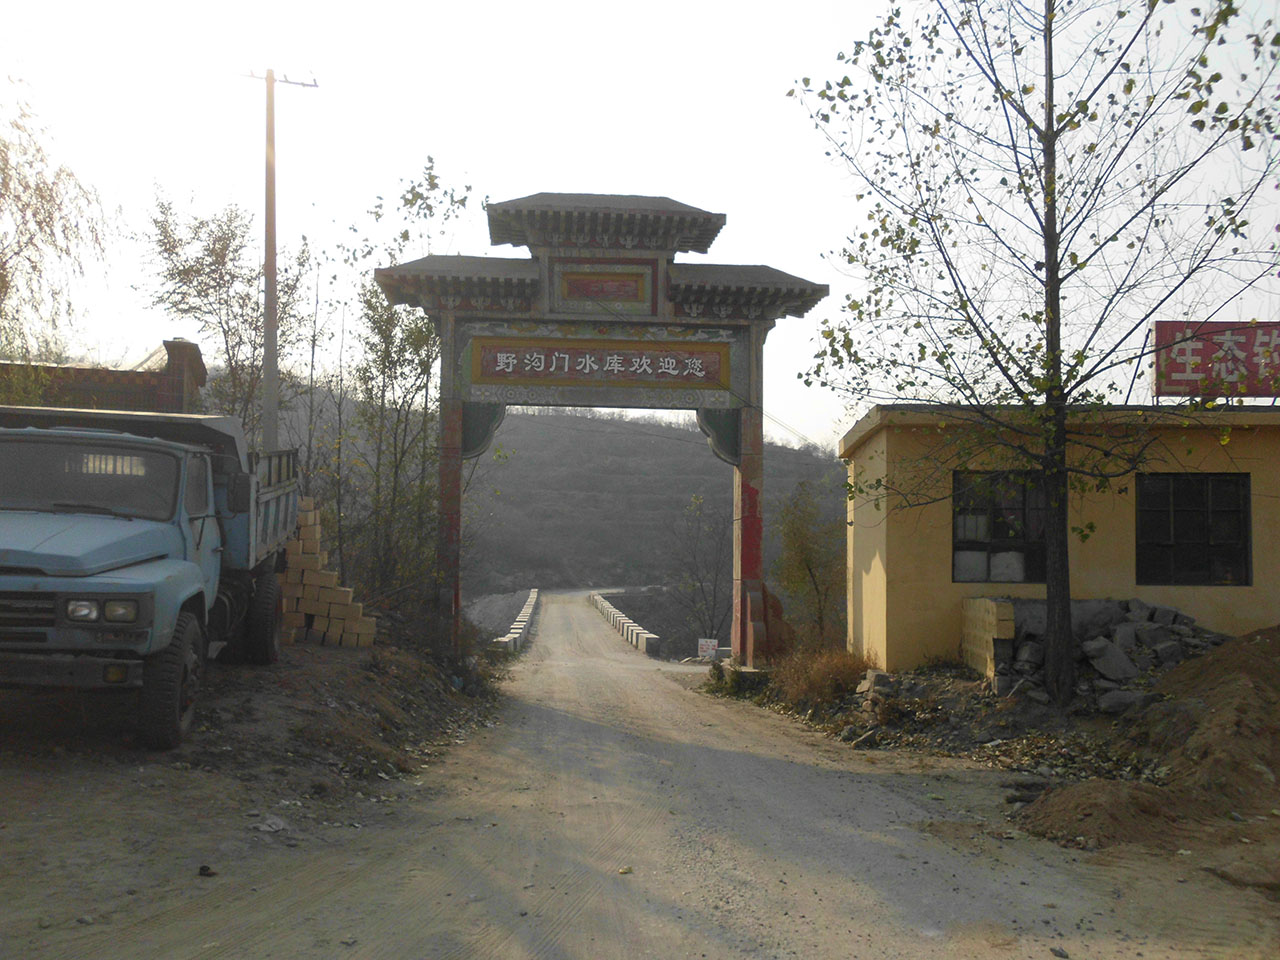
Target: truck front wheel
(262, 631)
(170, 682)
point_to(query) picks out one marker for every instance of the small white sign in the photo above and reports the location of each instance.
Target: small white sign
(707, 646)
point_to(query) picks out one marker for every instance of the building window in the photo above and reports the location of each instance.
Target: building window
(1193, 528)
(997, 528)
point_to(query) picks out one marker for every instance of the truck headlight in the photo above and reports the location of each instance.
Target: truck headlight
(82, 610)
(120, 611)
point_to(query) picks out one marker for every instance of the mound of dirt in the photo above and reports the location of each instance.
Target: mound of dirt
(1216, 734)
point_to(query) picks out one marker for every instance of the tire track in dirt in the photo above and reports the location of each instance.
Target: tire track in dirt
(747, 836)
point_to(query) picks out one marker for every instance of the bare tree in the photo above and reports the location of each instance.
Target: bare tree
(703, 581)
(208, 273)
(810, 569)
(49, 221)
(1042, 179)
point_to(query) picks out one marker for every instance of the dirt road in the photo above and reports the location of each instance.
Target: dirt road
(613, 812)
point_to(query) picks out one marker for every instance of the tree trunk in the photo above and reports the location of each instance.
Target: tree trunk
(1060, 647)
(1059, 667)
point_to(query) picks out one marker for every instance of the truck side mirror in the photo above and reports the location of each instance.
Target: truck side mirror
(239, 492)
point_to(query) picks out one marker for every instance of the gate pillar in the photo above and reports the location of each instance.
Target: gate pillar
(449, 544)
(748, 639)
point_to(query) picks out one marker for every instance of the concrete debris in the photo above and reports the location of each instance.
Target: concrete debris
(1112, 663)
(867, 740)
(1121, 645)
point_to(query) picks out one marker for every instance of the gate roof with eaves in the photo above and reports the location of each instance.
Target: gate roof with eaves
(602, 228)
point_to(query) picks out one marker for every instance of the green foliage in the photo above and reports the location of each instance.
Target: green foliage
(49, 221)
(424, 208)
(208, 272)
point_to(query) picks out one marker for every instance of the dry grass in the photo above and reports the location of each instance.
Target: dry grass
(810, 677)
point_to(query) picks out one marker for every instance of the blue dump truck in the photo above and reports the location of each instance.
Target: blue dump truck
(134, 548)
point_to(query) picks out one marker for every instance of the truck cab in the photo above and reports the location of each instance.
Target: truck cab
(133, 548)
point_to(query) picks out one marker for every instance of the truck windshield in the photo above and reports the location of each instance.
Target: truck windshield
(81, 477)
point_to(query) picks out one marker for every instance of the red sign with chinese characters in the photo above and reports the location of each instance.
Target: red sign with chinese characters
(538, 362)
(1217, 359)
(603, 286)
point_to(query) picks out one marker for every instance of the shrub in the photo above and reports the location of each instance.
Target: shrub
(815, 676)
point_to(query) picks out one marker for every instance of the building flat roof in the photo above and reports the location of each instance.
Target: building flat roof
(883, 416)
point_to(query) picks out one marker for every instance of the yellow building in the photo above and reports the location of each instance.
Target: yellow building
(1197, 527)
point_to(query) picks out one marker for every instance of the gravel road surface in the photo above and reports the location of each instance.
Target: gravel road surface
(614, 812)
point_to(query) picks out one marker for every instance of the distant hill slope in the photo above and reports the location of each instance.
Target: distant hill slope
(582, 501)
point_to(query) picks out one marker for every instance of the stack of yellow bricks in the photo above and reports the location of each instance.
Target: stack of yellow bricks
(315, 606)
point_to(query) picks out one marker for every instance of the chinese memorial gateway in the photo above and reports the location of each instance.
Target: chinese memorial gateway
(601, 315)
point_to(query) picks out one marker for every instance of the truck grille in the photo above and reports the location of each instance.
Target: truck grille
(26, 610)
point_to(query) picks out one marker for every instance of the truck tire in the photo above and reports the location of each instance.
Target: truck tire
(170, 682)
(262, 626)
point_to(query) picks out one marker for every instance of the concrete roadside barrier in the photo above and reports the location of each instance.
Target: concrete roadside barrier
(628, 629)
(518, 635)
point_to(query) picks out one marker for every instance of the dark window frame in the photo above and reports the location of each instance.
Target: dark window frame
(995, 512)
(1193, 529)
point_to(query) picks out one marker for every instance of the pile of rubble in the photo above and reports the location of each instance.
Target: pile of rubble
(1128, 643)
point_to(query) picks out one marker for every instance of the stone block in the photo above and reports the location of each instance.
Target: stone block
(1030, 651)
(1153, 634)
(1125, 635)
(1113, 663)
(1169, 652)
(1089, 618)
(1118, 701)
(1138, 607)
(336, 594)
(1095, 647)
(1164, 615)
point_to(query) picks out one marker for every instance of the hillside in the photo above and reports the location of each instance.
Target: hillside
(588, 501)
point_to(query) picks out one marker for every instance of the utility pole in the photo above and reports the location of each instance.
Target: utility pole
(270, 366)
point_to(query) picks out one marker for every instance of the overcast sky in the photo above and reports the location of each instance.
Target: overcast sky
(685, 100)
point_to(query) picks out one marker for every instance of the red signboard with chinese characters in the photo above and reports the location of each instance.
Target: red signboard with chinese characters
(566, 362)
(1217, 359)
